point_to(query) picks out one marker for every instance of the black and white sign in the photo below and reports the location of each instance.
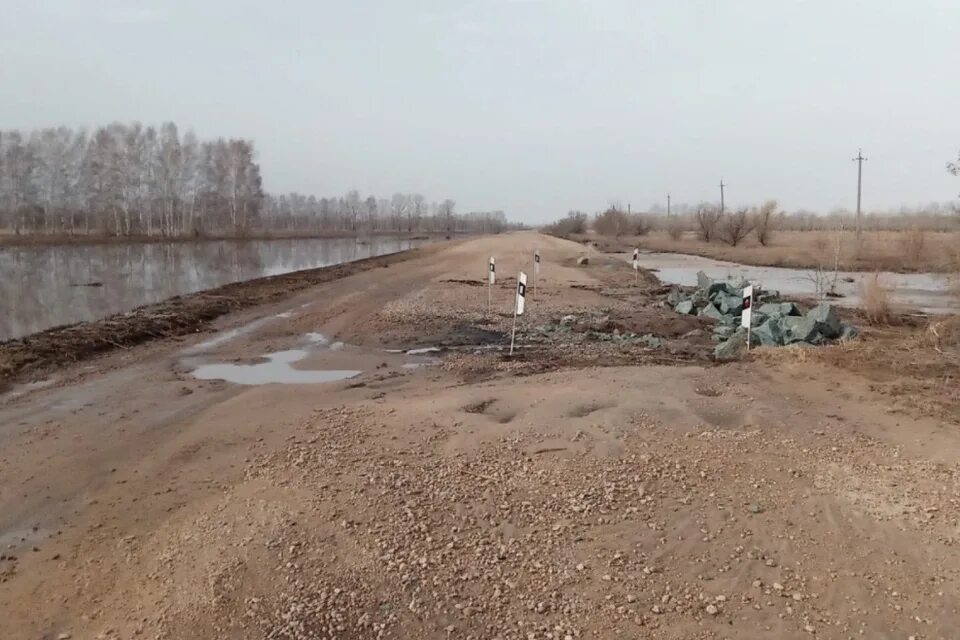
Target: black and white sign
(636, 259)
(536, 261)
(521, 292)
(493, 271)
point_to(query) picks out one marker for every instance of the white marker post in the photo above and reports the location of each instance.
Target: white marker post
(518, 306)
(536, 270)
(636, 265)
(491, 280)
(747, 315)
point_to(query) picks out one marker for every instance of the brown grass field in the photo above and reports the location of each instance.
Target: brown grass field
(898, 251)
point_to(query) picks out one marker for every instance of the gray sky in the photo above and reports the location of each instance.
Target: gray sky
(531, 106)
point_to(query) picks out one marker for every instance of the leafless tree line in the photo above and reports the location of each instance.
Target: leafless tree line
(126, 180)
(402, 213)
(135, 180)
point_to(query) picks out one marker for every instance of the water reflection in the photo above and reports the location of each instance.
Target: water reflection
(43, 287)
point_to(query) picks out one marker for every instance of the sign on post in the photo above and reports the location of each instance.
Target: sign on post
(491, 280)
(536, 269)
(747, 316)
(636, 265)
(518, 306)
(521, 292)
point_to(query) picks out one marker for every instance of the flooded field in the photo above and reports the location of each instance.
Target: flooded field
(928, 292)
(43, 287)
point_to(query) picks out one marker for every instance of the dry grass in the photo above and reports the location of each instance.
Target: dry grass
(913, 240)
(916, 366)
(875, 300)
(879, 251)
(943, 336)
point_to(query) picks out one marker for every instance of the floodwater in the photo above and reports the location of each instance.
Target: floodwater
(49, 286)
(927, 292)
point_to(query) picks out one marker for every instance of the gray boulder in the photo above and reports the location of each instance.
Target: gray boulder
(770, 333)
(827, 320)
(710, 311)
(685, 307)
(729, 303)
(801, 329)
(849, 332)
(779, 309)
(675, 296)
(733, 348)
(703, 281)
(724, 331)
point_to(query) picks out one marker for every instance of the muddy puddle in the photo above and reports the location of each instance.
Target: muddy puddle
(316, 360)
(278, 369)
(928, 292)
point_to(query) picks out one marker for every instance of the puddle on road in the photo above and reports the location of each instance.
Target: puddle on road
(317, 351)
(277, 370)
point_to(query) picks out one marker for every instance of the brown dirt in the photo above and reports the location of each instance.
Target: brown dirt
(786, 496)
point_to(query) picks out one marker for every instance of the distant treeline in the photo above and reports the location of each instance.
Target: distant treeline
(706, 218)
(135, 180)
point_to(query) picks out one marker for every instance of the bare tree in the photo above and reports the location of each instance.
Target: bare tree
(446, 211)
(763, 221)
(708, 220)
(736, 226)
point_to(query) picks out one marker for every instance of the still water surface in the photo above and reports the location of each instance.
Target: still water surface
(43, 287)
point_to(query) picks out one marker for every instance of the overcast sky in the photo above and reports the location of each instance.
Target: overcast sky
(533, 107)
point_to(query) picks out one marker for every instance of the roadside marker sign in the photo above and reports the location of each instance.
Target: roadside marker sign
(636, 265)
(521, 292)
(491, 280)
(747, 315)
(536, 269)
(518, 307)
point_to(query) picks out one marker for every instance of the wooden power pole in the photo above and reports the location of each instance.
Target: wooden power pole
(859, 160)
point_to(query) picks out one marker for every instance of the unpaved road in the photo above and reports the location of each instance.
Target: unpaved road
(544, 496)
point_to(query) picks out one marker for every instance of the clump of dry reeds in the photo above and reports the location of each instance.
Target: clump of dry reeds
(875, 299)
(944, 337)
(912, 241)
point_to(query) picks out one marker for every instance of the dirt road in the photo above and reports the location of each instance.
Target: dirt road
(463, 494)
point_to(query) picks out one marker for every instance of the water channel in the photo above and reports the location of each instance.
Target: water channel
(49, 286)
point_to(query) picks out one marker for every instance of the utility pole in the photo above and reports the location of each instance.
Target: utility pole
(721, 196)
(668, 205)
(859, 160)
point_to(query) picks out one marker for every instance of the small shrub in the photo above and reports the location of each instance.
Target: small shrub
(641, 224)
(875, 299)
(675, 230)
(612, 222)
(735, 227)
